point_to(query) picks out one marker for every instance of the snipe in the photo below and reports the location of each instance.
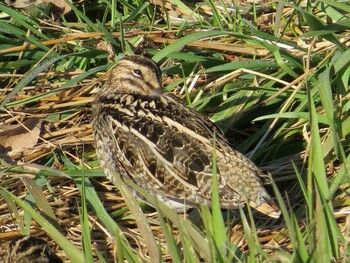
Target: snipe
(165, 147)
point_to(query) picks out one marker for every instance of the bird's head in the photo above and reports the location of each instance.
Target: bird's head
(134, 75)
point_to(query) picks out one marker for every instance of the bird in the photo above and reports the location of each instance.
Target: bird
(30, 249)
(152, 138)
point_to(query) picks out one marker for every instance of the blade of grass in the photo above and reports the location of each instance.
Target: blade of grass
(12, 206)
(140, 219)
(27, 23)
(172, 245)
(219, 231)
(84, 221)
(339, 5)
(216, 15)
(199, 242)
(124, 249)
(52, 92)
(315, 24)
(185, 8)
(33, 73)
(74, 254)
(90, 25)
(179, 44)
(326, 235)
(294, 115)
(136, 13)
(297, 240)
(40, 200)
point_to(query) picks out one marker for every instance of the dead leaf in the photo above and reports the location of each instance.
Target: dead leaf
(19, 137)
(106, 46)
(61, 6)
(22, 3)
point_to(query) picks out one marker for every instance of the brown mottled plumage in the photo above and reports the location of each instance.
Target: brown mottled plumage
(30, 249)
(165, 147)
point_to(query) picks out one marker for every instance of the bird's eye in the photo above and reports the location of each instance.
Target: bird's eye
(137, 72)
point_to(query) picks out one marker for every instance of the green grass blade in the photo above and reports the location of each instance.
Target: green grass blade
(294, 115)
(24, 21)
(337, 4)
(219, 231)
(179, 44)
(325, 237)
(197, 239)
(315, 24)
(124, 249)
(140, 218)
(171, 242)
(89, 24)
(74, 254)
(84, 221)
(40, 200)
(12, 206)
(33, 73)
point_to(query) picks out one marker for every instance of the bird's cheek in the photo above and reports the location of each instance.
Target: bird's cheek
(156, 91)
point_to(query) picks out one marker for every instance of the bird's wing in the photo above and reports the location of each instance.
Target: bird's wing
(167, 147)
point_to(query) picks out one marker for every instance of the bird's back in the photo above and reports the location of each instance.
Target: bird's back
(167, 149)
